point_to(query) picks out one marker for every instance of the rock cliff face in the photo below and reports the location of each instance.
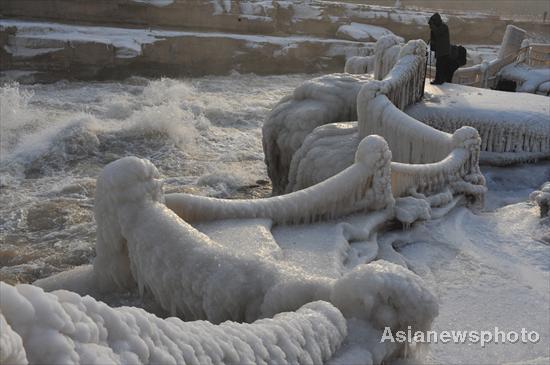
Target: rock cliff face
(99, 39)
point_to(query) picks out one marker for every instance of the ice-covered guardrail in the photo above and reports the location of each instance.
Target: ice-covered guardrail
(326, 99)
(64, 327)
(386, 54)
(144, 246)
(484, 75)
(362, 186)
(380, 105)
(425, 160)
(458, 172)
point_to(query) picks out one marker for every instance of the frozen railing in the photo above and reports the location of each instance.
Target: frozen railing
(362, 186)
(144, 247)
(404, 83)
(514, 48)
(458, 171)
(483, 75)
(410, 140)
(386, 54)
(534, 54)
(380, 105)
(526, 141)
(426, 160)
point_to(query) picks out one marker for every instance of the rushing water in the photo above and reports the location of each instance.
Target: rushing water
(203, 134)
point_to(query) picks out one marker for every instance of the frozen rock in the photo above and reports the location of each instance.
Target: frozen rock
(542, 198)
(409, 210)
(323, 100)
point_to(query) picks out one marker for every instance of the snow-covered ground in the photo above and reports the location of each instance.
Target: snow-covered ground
(488, 269)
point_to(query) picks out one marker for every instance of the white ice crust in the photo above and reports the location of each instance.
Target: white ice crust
(63, 327)
(143, 246)
(323, 100)
(542, 198)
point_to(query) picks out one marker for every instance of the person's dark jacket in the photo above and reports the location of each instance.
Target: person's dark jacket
(439, 37)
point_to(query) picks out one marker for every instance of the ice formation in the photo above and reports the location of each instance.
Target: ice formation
(63, 327)
(507, 136)
(528, 79)
(131, 217)
(542, 198)
(514, 127)
(386, 53)
(359, 65)
(430, 165)
(485, 74)
(323, 100)
(325, 152)
(144, 247)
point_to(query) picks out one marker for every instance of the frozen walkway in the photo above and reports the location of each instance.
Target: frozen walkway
(510, 124)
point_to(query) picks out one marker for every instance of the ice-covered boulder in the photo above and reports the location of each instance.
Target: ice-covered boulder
(323, 100)
(326, 151)
(542, 198)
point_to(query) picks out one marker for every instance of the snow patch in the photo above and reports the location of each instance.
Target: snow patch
(363, 32)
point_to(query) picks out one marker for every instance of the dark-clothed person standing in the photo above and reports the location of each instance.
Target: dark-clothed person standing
(441, 45)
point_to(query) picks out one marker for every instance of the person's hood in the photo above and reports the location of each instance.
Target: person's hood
(435, 20)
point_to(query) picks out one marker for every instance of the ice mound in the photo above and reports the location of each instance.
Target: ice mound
(63, 327)
(323, 100)
(542, 198)
(326, 151)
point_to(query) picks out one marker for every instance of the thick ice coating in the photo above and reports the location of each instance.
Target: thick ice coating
(542, 198)
(187, 272)
(63, 327)
(323, 100)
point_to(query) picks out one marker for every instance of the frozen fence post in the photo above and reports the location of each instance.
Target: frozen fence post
(511, 41)
(468, 138)
(373, 151)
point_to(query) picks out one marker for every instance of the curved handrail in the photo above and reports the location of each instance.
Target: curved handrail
(360, 187)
